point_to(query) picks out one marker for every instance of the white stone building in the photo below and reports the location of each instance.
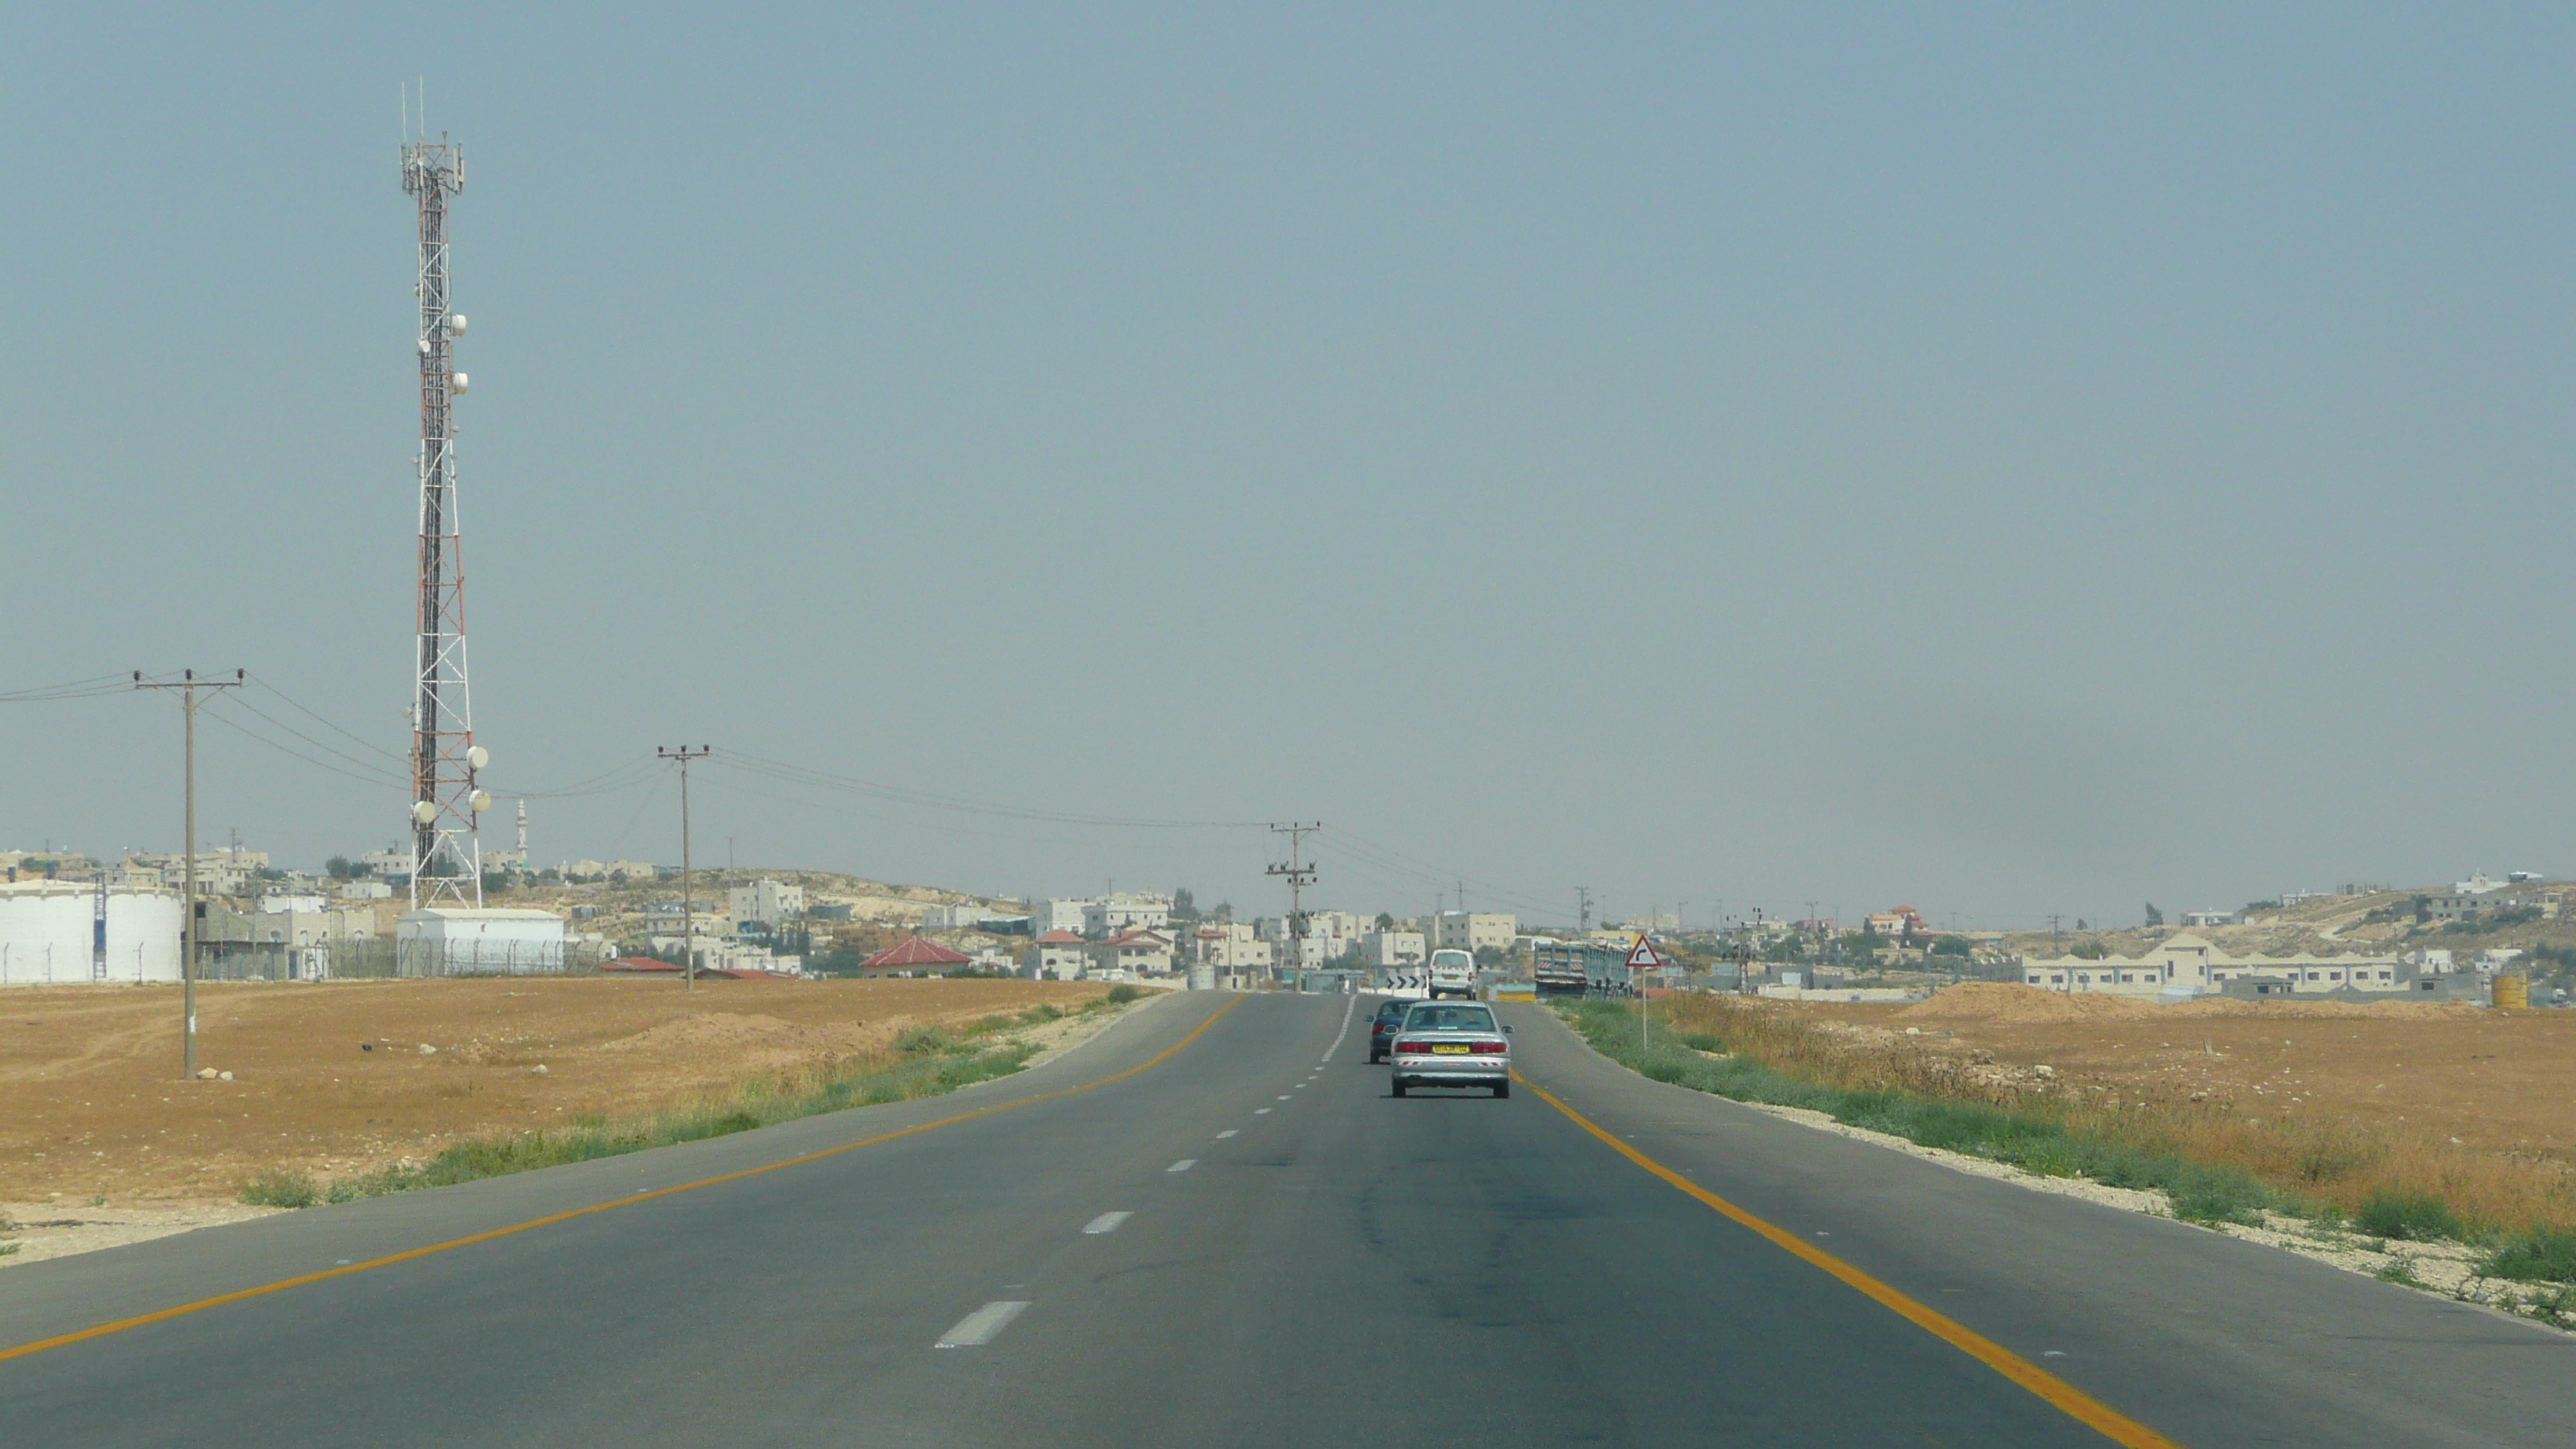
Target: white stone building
(1132, 954)
(1473, 931)
(1382, 949)
(1056, 956)
(768, 904)
(1126, 911)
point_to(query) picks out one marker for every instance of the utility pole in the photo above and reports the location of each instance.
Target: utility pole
(1583, 910)
(1300, 873)
(188, 685)
(688, 898)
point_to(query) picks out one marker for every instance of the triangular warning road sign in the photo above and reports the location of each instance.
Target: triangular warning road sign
(1642, 957)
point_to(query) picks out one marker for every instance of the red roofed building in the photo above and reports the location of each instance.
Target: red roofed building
(1135, 953)
(1058, 955)
(1898, 923)
(913, 953)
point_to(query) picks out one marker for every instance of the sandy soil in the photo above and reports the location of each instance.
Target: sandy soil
(2491, 1081)
(332, 1078)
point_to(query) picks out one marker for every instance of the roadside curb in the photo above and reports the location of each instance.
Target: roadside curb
(2456, 1282)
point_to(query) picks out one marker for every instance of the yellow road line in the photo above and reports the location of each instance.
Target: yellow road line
(2059, 1394)
(280, 1286)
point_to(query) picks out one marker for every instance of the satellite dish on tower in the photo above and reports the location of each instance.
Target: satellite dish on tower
(425, 812)
(478, 757)
(482, 801)
(456, 324)
(458, 379)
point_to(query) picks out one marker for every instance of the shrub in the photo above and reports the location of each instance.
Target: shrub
(282, 1189)
(1124, 992)
(2411, 1217)
(2543, 1256)
(923, 1040)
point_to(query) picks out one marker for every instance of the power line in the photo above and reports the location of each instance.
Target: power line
(89, 688)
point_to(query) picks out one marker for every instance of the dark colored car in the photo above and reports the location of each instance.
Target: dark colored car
(1390, 1015)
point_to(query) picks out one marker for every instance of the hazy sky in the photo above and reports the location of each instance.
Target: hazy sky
(2008, 460)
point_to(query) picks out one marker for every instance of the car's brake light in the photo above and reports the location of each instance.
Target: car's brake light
(1482, 1048)
(1408, 1044)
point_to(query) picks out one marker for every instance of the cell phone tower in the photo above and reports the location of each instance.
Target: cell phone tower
(447, 867)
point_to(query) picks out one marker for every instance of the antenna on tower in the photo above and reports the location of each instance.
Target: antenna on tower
(447, 865)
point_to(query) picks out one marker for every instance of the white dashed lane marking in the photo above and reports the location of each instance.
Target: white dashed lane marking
(1106, 1222)
(981, 1326)
(1184, 1165)
(1230, 1131)
(1260, 1111)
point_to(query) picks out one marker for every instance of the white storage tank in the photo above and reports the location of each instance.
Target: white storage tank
(49, 933)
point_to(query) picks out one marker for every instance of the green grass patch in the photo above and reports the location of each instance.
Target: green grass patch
(2408, 1217)
(2028, 1140)
(2547, 1256)
(282, 1189)
(935, 1067)
(1124, 992)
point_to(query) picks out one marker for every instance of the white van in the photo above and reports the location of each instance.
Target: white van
(1453, 973)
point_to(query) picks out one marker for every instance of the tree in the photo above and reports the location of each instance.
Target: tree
(1184, 908)
(2079, 924)
(1385, 922)
(1951, 946)
(340, 867)
(2154, 917)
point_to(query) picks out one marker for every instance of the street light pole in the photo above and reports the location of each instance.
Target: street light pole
(188, 684)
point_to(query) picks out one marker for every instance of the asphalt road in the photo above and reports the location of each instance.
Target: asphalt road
(1303, 1260)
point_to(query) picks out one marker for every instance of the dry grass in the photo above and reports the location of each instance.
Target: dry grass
(2328, 1163)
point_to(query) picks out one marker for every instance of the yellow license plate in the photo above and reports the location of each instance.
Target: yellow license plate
(1449, 1049)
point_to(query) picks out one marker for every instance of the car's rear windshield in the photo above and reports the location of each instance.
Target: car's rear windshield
(1449, 1018)
(1390, 1011)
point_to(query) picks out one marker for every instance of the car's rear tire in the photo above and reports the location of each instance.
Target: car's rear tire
(1399, 1087)
(1502, 1089)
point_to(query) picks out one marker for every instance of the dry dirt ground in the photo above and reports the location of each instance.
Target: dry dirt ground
(100, 1134)
(2500, 1082)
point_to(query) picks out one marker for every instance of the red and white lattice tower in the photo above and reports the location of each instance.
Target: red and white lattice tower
(446, 855)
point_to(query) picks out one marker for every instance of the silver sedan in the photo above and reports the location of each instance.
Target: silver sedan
(1452, 1044)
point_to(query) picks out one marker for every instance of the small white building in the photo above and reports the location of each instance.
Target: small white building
(1063, 914)
(665, 918)
(1056, 956)
(2203, 920)
(1393, 948)
(453, 941)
